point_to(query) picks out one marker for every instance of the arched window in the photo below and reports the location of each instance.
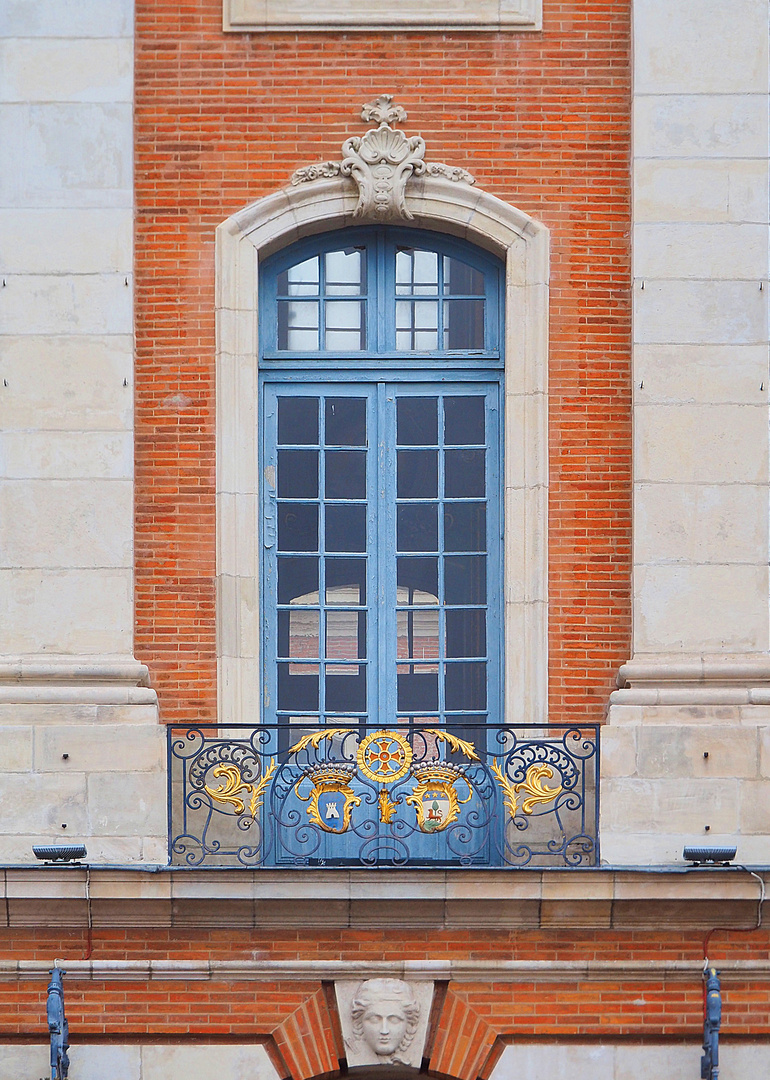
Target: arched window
(381, 374)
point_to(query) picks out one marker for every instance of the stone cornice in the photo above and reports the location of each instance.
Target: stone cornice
(163, 897)
(87, 680)
(693, 681)
(501, 971)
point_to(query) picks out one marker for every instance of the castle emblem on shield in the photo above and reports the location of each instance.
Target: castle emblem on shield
(435, 797)
(331, 799)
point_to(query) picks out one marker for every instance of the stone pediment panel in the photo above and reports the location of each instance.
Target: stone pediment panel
(388, 15)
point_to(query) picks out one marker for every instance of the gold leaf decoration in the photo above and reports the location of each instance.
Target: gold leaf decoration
(458, 745)
(532, 785)
(387, 806)
(316, 738)
(259, 789)
(535, 788)
(509, 791)
(235, 786)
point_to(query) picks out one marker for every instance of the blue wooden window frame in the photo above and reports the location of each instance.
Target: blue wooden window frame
(380, 376)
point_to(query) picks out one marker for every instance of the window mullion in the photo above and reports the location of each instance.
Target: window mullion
(386, 561)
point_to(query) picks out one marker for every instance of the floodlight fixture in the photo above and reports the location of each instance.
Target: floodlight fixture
(714, 856)
(61, 853)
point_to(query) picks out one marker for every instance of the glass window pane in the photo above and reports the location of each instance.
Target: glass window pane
(417, 527)
(345, 340)
(345, 692)
(465, 579)
(464, 474)
(417, 692)
(298, 420)
(417, 634)
(465, 526)
(345, 635)
(416, 325)
(466, 633)
(297, 580)
(296, 692)
(298, 474)
(298, 639)
(417, 474)
(297, 527)
(345, 325)
(460, 279)
(417, 421)
(416, 272)
(345, 581)
(300, 280)
(417, 581)
(298, 324)
(345, 474)
(345, 528)
(463, 324)
(464, 421)
(345, 272)
(465, 686)
(346, 422)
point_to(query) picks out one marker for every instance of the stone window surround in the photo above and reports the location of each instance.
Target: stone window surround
(381, 15)
(440, 205)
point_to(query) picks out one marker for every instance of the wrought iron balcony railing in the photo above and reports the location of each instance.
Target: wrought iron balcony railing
(412, 795)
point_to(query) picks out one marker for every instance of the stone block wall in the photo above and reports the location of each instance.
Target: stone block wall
(82, 755)
(685, 758)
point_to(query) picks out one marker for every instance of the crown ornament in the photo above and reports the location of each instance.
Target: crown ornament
(381, 162)
(330, 772)
(438, 772)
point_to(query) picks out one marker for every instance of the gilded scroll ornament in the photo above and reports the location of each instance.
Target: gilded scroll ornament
(381, 162)
(386, 806)
(235, 786)
(532, 784)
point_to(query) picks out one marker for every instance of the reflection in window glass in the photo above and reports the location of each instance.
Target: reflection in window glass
(417, 636)
(463, 324)
(345, 272)
(300, 280)
(298, 325)
(461, 279)
(416, 272)
(417, 325)
(345, 325)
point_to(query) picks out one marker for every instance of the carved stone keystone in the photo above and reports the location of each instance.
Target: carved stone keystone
(384, 1021)
(381, 162)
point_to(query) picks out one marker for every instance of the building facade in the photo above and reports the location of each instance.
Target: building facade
(384, 531)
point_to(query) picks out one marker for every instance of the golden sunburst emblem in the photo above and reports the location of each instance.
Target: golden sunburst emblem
(384, 756)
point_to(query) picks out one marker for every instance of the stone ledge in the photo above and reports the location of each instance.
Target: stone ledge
(76, 680)
(181, 897)
(693, 681)
(502, 971)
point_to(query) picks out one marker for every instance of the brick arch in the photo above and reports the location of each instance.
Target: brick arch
(439, 205)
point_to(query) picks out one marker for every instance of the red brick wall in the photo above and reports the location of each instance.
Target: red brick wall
(296, 1018)
(542, 120)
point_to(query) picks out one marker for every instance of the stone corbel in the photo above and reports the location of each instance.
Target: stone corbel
(381, 162)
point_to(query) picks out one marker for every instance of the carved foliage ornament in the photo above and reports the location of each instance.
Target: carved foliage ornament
(381, 162)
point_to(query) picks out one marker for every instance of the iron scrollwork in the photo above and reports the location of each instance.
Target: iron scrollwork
(343, 796)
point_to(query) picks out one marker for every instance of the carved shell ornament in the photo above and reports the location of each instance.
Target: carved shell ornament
(381, 162)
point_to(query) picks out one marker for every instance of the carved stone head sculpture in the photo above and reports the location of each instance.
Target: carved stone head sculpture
(384, 1021)
(385, 1015)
